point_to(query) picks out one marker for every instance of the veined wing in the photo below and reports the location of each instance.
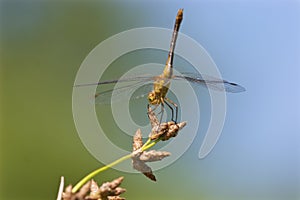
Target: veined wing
(141, 84)
(210, 82)
(126, 79)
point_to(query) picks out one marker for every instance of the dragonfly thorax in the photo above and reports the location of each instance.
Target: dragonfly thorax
(158, 94)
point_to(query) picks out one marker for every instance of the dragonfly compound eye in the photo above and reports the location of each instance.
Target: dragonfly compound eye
(151, 97)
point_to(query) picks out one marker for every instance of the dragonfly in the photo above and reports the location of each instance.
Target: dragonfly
(160, 84)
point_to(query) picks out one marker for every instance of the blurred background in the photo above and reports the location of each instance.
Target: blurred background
(253, 43)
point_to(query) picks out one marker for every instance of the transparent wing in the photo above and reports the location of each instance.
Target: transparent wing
(144, 78)
(139, 90)
(210, 82)
(140, 86)
(106, 93)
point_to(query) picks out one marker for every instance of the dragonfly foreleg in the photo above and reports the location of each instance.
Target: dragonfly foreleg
(161, 112)
(169, 102)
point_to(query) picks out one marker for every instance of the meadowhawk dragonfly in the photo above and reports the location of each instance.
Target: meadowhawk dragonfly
(160, 84)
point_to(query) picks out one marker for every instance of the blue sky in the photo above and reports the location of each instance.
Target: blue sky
(256, 44)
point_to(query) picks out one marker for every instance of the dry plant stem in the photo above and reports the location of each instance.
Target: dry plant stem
(147, 145)
(61, 188)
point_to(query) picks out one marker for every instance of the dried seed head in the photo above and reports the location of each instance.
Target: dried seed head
(111, 188)
(94, 188)
(105, 191)
(156, 132)
(115, 198)
(166, 130)
(67, 194)
(150, 175)
(117, 182)
(144, 168)
(151, 156)
(137, 140)
(171, 123)
(173, 130)
(83, 190)
(119, 190)
(152, 117)
(81, 194)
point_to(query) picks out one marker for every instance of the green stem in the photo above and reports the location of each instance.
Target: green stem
(146, 146)
(146, 143)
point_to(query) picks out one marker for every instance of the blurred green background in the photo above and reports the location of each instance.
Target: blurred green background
(255, 44)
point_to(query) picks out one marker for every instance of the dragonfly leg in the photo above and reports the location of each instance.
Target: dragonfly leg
(169, 102)
(161, 112)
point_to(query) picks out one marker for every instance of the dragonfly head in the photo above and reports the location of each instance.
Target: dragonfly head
(152, 98)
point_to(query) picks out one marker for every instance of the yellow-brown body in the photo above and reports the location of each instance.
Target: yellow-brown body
(162, 83)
